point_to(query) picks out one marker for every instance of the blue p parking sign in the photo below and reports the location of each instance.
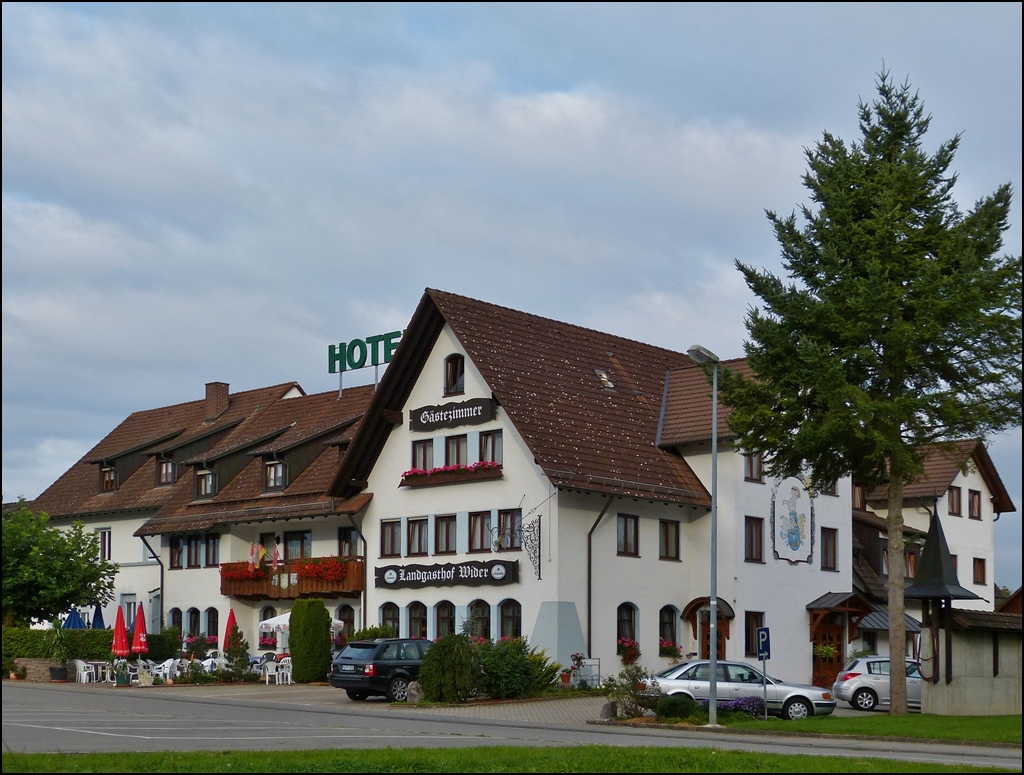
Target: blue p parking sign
(764, 645)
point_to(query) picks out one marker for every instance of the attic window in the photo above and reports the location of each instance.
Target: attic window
(454, 375)
(204, 484)
(165, 473)
(273, 476)
(108, 480)
(606, 381)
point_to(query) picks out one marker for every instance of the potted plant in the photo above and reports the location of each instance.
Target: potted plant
(667, 648)
(566, 675)
(628, 650)
(121, 676)
(60, 652)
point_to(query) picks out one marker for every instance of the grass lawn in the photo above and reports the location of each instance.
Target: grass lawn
(983, 729)
(590, 758)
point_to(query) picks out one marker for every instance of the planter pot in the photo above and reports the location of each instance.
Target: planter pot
(566, 677)
(122, 679)
(58, 675)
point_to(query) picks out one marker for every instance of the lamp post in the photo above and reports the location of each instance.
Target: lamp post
(703, 355)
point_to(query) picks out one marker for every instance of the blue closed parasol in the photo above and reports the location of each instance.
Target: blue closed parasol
(73, 621)
(97, 619)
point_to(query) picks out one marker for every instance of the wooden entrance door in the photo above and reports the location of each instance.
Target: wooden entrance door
(829, 637)
(705, 636)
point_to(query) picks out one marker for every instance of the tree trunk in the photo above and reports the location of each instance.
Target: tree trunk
(897, 606)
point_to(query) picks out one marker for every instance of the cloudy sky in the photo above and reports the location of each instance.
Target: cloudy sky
(217, 193)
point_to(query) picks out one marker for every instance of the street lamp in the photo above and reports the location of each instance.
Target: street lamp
(703, 355)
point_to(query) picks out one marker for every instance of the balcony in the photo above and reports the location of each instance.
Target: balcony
(327, 577)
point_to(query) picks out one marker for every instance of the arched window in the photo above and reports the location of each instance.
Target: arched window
(194, 625)
(480, 619)
(212, 623)
(174, 615)
(389, 616)
(668, 630)
(511, 619)
(445, 613)
(626, 629)
(417, 620)
(454, 375)
(347, 614)
(268, 613)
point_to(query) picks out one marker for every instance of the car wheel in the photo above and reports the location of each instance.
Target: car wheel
(356, 695)
(397, 689)
(797, 709)
(864, 699)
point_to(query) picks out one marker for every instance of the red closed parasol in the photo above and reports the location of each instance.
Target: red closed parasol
(139, 645)
(227, 631)
(120, 647)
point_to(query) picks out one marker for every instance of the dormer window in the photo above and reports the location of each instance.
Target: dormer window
(273, 476)
(204, 484)
(606, 381)
(108, 480)
(165, 473)
(454, 375)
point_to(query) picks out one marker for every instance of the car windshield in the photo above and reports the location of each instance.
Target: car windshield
(671, 672)
(358, 651)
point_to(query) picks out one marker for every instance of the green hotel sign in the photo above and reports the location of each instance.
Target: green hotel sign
(371, 351)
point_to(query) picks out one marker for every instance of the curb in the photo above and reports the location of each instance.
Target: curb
(683, 730)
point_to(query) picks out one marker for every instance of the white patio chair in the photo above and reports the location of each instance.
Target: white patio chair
(270, 669)
(284, 672)
(166, 670)
(84, 672)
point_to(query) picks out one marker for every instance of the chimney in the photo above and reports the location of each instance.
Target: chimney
(216, 399)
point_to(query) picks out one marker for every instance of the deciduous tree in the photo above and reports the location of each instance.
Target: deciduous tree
(47, 570)
(899, 326)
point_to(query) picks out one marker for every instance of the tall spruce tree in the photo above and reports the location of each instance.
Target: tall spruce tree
(899, 325)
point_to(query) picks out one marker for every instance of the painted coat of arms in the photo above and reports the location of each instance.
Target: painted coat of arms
(792, 521)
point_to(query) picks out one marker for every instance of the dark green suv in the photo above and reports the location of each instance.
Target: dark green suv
(385, 666)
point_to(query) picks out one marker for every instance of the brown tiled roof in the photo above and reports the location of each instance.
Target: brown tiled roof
(870, 580)
(987, 620)
(688, 405)
(583, 435)
(242, 499)
(543, 373)
(77, 490)
(283, 508)
(878, 522)
(941, 465)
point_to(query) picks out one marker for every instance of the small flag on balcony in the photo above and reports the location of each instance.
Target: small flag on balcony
(254, 554)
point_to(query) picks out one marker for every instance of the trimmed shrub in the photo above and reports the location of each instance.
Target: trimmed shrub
(309, 640)
(505, 668)
(446, 674)
(681, 706)
(370, 633)
(164, 645)
(82, 644)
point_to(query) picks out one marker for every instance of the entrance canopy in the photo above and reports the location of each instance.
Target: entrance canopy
(839, 602)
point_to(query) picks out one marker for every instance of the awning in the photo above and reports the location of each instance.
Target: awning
(851, 603)
(878, 621)
(280, 624)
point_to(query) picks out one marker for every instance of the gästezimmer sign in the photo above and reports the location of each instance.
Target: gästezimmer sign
(472, 412)
(470, 574)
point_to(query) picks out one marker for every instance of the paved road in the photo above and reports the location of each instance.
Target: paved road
(45, 717)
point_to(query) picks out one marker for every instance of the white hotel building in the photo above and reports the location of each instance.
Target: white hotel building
(577, 510)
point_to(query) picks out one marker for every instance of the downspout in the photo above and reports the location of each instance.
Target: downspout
(590, 574)
(160, 562)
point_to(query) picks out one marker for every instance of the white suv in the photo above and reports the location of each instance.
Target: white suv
(864, 683)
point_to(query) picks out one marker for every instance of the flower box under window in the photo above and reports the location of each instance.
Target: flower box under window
(416, 477)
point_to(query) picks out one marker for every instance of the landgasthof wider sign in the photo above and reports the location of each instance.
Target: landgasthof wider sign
(354, 354)
(472, 412)
(469, 574)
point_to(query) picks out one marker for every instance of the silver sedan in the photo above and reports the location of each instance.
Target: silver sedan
(736, 679)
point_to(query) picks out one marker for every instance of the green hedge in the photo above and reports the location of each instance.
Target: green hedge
(84, 644)
(309, 640)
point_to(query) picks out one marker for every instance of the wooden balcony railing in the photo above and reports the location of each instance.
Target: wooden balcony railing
(291, 580)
